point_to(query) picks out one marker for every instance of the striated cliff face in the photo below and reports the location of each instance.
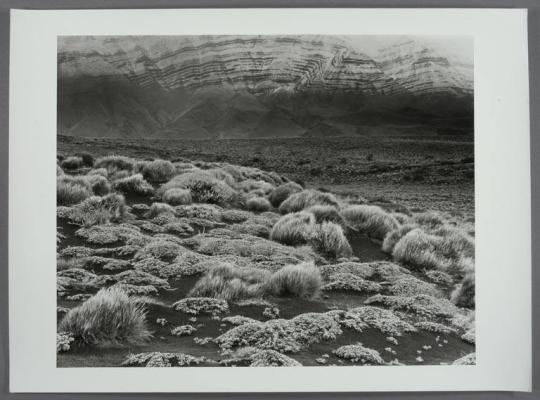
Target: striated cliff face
(255, 86)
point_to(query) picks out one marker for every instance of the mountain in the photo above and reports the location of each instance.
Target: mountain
(256, 86)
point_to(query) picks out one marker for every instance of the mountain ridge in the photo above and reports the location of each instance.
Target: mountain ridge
(253, 86)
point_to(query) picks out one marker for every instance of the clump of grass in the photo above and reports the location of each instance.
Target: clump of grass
(71, 190)
(97, 210)
(235, 216)
(177, 196)
(282, 192)
(258, 204)
(159, 208)
(359, 353)
(224, 176)
(114, 163)
(156, 171)
(300, 280)
(229, 283)
(307, 198)
(100, 185)
(251, 184)
(463, 294)
(293, 229)
(395, 236)
(429, 220)
(110, 317)
(329, 240)
(87, 158)
(324, 213)
(451, 253)
(99, 171)
(133, 184)
(371, 220)
(72, 162)
(204, 188)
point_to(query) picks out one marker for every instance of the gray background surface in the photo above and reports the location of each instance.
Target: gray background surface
(534, 83)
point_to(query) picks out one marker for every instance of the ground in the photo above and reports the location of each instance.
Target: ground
(405, 176)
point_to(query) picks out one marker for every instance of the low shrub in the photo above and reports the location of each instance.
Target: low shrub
(371, 220)
(329, 240)
(110, 317)
(177, 196)
(282, 192)
(350, 282)
(282, 335)
(301, 280)
(258, 204)
(133, 184)
(197, 305)
(359, 353)
(361, 318)
(160, 360)
(307, 198)
(293, 229)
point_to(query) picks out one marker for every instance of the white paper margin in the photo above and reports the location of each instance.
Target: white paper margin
(503, 241)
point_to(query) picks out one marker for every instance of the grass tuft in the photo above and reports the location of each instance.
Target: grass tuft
(110, 317)
(204, 188)
(258, 204)
(329, 240)
(293, 229)
(177, 196)
(281, 193)
(371, 220)
(307, 198)
(71, 190)
(300, 280)
(156, 171)
(133, 184)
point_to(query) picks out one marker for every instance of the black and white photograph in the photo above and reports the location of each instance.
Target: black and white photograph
(283, 200)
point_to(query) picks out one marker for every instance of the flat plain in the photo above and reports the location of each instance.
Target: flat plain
(364, 256)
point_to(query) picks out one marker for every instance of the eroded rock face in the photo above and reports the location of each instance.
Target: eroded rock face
(247, 86)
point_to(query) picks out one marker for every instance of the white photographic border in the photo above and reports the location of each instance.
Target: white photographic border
(502, 199)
